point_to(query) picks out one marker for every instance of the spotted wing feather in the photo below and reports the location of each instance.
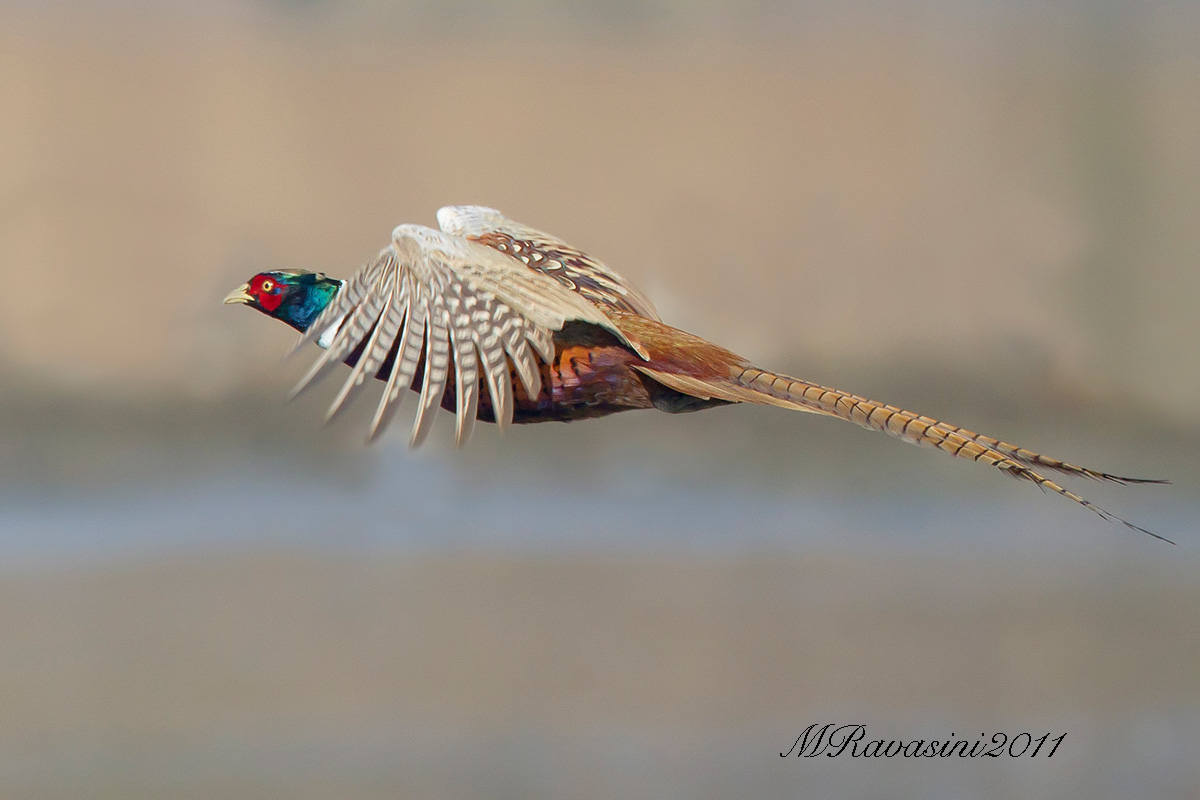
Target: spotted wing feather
(549, 255)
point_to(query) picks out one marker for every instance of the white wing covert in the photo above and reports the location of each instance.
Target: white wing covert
(461, 307)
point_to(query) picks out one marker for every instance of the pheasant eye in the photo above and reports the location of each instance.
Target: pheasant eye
(267, 285)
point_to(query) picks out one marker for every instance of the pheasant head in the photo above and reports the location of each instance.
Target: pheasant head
(293, 296)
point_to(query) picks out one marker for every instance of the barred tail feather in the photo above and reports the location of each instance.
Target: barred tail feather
(774, 389)
(1033, 459)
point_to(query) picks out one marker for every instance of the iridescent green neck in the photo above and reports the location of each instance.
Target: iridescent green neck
(311, 293)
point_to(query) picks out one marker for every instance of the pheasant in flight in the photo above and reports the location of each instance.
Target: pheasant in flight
(502, 323)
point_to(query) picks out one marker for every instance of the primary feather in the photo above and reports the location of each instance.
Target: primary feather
(450, 301)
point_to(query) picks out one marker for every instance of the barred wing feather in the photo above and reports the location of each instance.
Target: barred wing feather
(463, 308)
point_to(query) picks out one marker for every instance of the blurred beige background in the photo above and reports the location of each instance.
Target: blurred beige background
(984, 212)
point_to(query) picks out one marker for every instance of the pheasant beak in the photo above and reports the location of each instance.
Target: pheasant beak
(240, 295)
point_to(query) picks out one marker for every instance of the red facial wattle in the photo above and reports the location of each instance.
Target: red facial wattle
(267, 292)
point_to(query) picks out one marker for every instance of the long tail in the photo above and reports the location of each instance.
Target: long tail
(921, 430)
(750, 384)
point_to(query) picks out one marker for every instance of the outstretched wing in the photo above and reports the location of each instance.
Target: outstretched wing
(548, 255)
(456, 307)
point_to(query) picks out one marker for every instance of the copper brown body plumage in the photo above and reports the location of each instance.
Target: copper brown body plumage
(499, 322)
